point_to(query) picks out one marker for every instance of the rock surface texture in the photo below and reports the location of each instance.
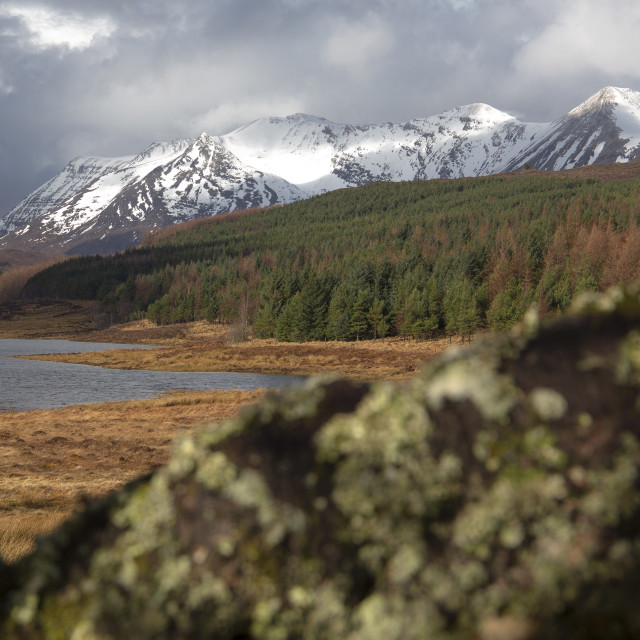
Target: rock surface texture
(494, 497)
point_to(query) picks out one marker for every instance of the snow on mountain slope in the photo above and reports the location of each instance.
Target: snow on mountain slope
(89, 201)
(468, 141)
(99, 205)
(88, 183)
(205, 179)
(74, 177)
(165, 184)
(604, 129)
(299, 148)
(317, 155)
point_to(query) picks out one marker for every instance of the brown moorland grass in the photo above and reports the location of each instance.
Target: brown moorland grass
(199, 346)
(46, 319)
(51, 460)
(368, 360)
(18, 532)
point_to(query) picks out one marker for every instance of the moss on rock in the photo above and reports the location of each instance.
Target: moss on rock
(496, 495)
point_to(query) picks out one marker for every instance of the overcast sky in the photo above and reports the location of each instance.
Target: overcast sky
(89, 77)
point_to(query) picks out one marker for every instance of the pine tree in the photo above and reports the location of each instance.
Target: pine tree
(433, 297)
(414, 314)
(288, 324)
(461, 307)
(508, 306)
(556, 288)
(315, 304)
(270, 305)
(359, 320)
(377, 319)
(339, 314)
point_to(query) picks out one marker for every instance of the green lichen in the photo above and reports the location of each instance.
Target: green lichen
(475, 379)
(548, 404)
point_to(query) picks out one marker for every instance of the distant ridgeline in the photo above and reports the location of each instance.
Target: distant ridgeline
(385, 259)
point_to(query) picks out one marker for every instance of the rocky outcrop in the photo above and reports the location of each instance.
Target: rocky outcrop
(495, 496)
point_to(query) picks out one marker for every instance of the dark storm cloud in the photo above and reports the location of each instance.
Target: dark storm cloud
(94, 78)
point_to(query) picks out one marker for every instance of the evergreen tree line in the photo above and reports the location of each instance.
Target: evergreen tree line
(404, 259)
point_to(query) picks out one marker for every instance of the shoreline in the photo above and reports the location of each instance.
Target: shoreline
(198, 347)
(368, 363)
(53, 459)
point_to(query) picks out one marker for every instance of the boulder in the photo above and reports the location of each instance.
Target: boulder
(493, 497)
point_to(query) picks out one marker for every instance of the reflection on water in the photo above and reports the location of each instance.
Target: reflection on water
(34, 384)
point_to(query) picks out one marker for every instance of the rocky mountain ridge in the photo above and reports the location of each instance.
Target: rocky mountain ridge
(99, 205)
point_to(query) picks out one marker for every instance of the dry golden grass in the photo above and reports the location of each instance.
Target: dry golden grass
(19, 531)
(199, 346)
(51, 460)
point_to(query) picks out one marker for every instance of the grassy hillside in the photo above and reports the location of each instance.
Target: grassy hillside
(386, 259)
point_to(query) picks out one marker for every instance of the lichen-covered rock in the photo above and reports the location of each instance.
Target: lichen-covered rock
(494, 497)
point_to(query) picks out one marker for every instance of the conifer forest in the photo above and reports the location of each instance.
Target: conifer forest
(404, 259)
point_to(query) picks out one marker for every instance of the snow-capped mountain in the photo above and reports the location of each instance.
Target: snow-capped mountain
(318, 155)
(73, 178)
(118, 207)
(602, 130)
(101, 205)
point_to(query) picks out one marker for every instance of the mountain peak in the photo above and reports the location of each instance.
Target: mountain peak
(607, 98)
(205, 141)
(481, 112)
(306, 117)
(612, 94)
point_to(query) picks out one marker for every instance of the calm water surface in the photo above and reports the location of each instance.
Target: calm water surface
(32, 384)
